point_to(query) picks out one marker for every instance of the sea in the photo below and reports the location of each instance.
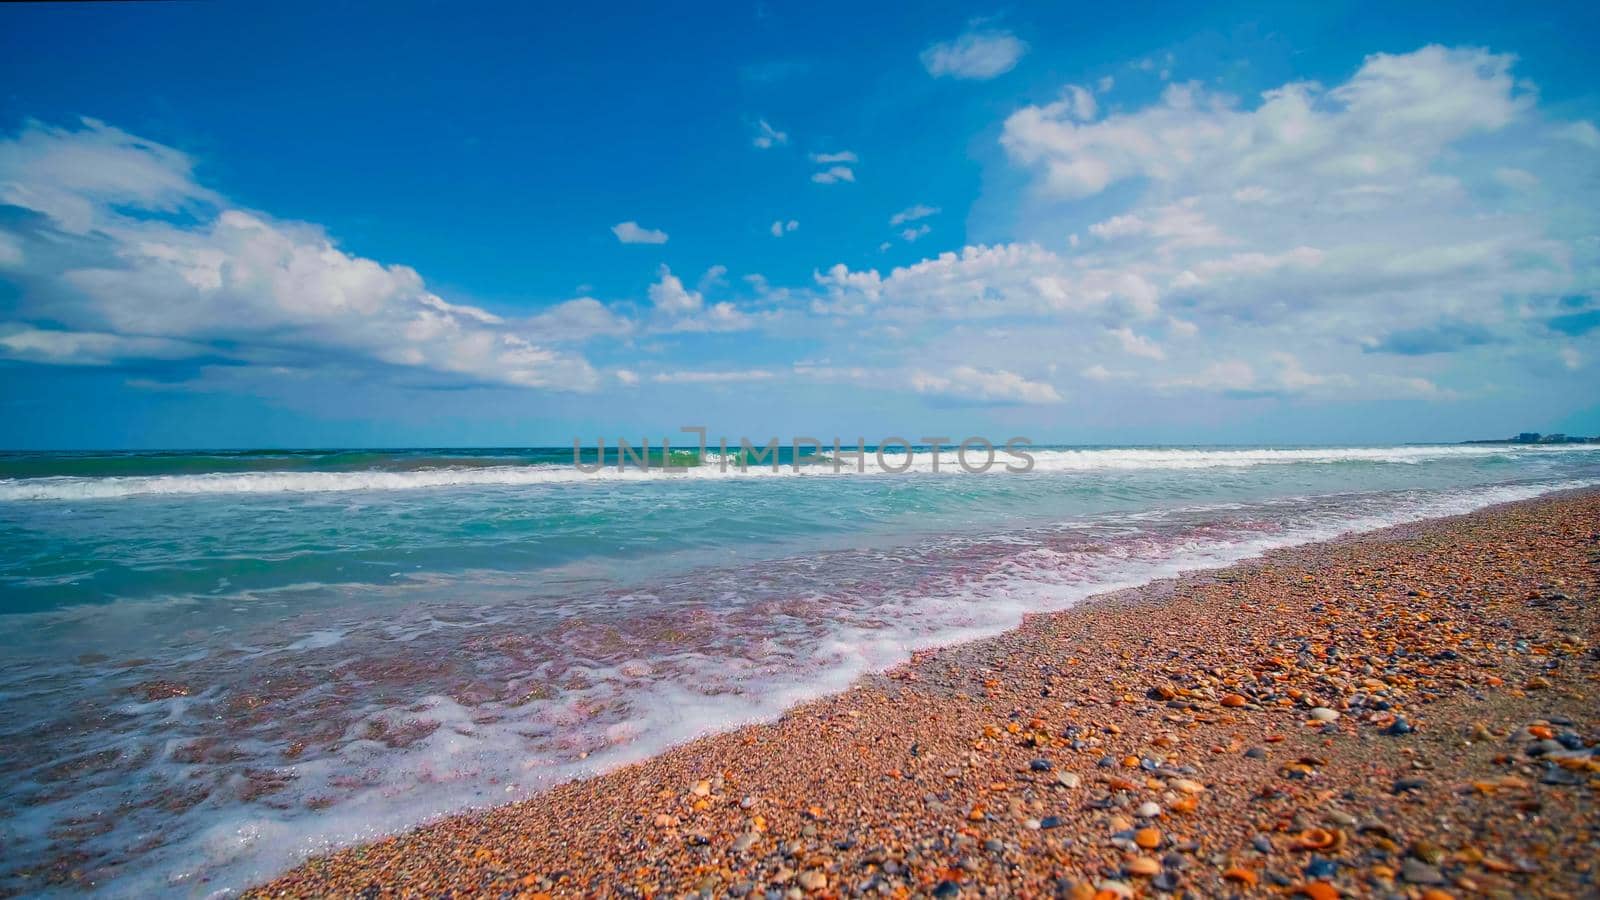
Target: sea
(213, 664)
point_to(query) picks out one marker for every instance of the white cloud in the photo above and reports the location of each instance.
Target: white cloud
(988, 385)
(911, 234)
(87, 348)
(979, 55)
(670, 296)
(913, 213)
(1105, 84)
(626, 376)
(680, 309)
(228, 283)
(724, 377)
(579, 320)
(1388, 121)
(843, 156)
(1581, 132)
(1098, 372)
(780, 227)
(1080, 103)
(1173, 225)
(1137, 344)
(834, 175)
(80, 177)
(768, 137)
(632, 233)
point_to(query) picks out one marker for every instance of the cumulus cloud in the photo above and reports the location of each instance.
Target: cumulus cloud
(1362, 227)
(1387, 122)
(225, 283)
(978, 55)
(680, 309)
(780, 227)
(633, 233)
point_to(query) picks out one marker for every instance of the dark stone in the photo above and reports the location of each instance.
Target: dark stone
(1051, 822)
(1040, 765)
(1558, 775)
(1399, 727)
(1320, 867)
(947, 889)
(1406, 785)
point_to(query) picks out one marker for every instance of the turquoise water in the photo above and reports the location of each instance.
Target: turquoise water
(218, 662)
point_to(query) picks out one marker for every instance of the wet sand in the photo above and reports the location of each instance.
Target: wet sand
(1411, 713)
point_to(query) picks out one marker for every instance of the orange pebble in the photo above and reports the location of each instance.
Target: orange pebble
(1243, 876)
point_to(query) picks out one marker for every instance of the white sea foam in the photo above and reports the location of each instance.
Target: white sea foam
(922, 462)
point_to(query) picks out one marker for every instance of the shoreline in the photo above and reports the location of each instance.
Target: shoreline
(954, 772)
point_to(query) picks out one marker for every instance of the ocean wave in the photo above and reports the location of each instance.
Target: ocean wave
(921, 462)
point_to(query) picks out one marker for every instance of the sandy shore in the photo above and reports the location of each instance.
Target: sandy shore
(1407, 713)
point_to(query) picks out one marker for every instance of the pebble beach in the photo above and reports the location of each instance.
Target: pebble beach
(1404, 713)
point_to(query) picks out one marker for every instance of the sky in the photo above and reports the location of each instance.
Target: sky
(309, 225)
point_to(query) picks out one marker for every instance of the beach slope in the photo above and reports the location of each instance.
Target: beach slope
(1411, 712)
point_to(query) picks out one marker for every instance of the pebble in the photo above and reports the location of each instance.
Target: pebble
(745, 841)
(1323, 714)
(1398, 727)
(1320, 867)
(1406, 785)
(1242, 876)
(1068, 779)
(1418, 872)
(1148, 838)
(1040, 765)
(1256, 753)
(1262, 843)
(1143, 866)
(1148, 810)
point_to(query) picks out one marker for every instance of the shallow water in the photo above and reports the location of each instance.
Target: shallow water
(217, 663)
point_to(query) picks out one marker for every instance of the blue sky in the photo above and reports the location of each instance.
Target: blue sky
(224, 225)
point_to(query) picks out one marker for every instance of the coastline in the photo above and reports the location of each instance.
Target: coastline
(953, 773)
